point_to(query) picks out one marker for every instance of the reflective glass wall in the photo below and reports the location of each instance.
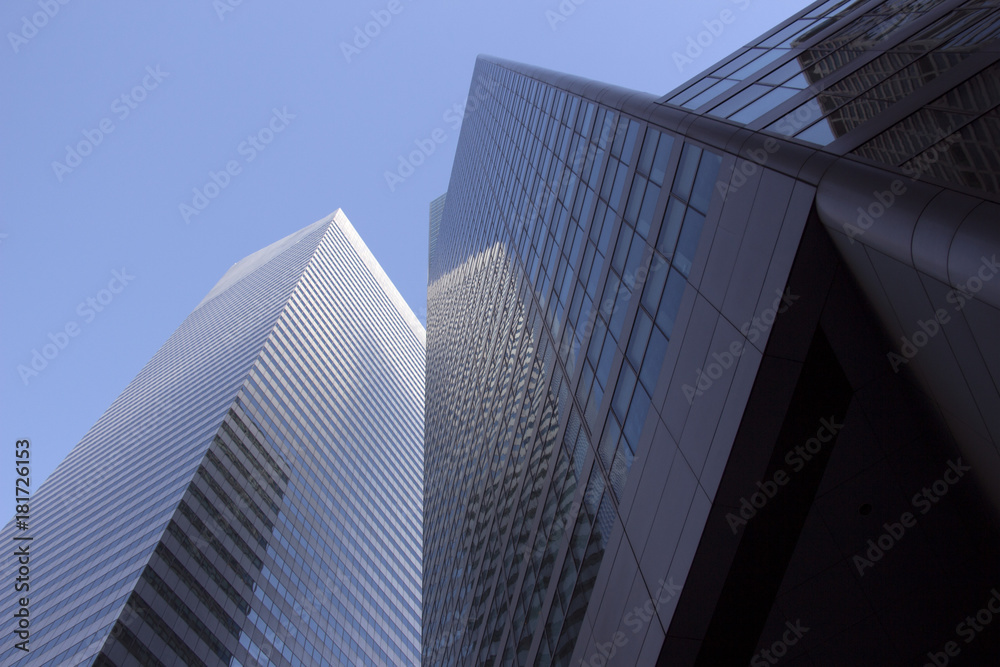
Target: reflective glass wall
(912, 85)
(567, 238)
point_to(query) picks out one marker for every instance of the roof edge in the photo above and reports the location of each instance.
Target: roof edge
(340, 219)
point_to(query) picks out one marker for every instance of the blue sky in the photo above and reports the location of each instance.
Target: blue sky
(149, 146)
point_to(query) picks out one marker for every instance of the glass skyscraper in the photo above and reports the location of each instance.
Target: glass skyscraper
(712, 377)
(436, 210)
(253, 497)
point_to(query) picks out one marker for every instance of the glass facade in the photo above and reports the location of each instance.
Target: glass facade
(830, 75)
(434, 226)
(570, 228)
(641, 310)
(254, 496)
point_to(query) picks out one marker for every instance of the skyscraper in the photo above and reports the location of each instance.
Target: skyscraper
(436, 210)
(712, 377)
(254, 495)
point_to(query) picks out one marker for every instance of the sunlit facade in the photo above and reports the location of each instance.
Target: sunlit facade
(253, 497)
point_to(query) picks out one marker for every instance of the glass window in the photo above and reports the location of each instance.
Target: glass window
(588, 259)
(687, 245)
(648, 151)
(610, 437)
(671, 227)
(586, 378)
(574, 308)
(573, 109)
(638, 409)
(621, 249)
(609, 226)
(618, 317)
(692, 90)
(783, 74)
(655, 281)
(614, 201)
(785, 36)
(607, 126)
(596, 341)
(581, 534)
(763, 105)
(594, 405)
(821, 133)
(592, 167)
(710, 94)
(758, 64)
(656, 350)
(635, 199)
(623, 127)
(595, 489)
(686, 171)
(797, 119)
(634, 261)
(595, 228)
(609, 179)
(577, 242)
(589, 118)
(825, 9)
(739, 100)
(607, 356)
(670, 302)
(638, 340)
(623, 396)
(620, 469)
(976, 95)
(649, 200)
(985, 29)
(704, 184)
(659, 168)
(737, 62)
(630, 139)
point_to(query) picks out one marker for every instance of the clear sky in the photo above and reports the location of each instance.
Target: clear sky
(117, 114)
